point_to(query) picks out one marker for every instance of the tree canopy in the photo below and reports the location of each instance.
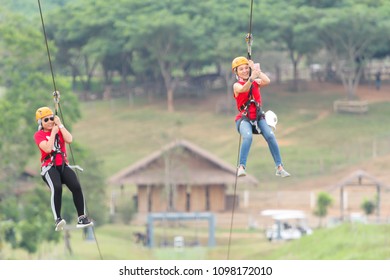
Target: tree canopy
(203, 37)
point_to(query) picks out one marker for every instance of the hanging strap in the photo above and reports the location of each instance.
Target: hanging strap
(249, 37)
(56, 99)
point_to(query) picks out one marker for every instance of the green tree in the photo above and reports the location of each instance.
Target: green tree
(22, 50)
(324, 200)
(171, 40)
(292, 29)
(70, 28)
(36, 221)
(368, 206)
(26, 221)
(348, 32)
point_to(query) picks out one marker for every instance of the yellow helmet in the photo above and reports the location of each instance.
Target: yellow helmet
(43, 112)
(240, 60)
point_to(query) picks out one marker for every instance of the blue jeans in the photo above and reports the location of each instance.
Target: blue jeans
(245, 130)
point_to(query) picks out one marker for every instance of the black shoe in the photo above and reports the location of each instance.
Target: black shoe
(84, 222)
(60, 223)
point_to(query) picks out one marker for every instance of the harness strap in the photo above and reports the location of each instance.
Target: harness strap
(245, 113)
(245, 107)
(54, 153)
(255, 128)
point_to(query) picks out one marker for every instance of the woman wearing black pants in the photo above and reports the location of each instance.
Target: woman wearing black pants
(51, 138)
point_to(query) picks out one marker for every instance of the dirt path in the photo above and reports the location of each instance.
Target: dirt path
(365, 92)
(292, 129)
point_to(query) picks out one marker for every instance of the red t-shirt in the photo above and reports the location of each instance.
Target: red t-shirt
(40, 136)
(243, 97)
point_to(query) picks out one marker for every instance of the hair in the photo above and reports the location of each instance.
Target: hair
(235, 73)
(39, 124)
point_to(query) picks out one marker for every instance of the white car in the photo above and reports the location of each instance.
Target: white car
(283, 228)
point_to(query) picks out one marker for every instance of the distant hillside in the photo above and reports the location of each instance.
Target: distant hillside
(313, 139)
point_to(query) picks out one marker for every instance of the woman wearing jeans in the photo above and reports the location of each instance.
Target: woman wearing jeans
(251, 117)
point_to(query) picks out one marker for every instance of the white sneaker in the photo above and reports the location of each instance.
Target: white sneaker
(241, 171)
(60, 223)
(282, 173)
(83, 222)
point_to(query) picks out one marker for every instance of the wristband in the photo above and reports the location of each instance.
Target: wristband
(61, 126)
(251, 80)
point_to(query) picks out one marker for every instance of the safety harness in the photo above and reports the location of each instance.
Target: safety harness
(244, 109)
(52, 156)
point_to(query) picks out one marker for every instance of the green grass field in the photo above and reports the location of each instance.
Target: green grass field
(116, 242)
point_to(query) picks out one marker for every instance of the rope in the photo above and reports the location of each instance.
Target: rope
(56, 97)
(47, 47)
(249, 40)
(234, 198)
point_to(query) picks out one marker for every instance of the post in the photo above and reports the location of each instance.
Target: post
(211, 241)
(378, 202)
(150, 231)
(342, 203)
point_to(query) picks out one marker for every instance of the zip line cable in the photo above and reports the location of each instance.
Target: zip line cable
(56, 97)
(248, 40)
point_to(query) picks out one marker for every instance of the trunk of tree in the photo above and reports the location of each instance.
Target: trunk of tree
(229, 80)
(278, 76)
(171, 108)
(89, 72)
(350, 77)
(124, 72)
(295, 76)
(170, 84)
(295, 61)
(74, 76)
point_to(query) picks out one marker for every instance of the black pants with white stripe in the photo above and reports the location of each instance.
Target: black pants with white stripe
(55, 177)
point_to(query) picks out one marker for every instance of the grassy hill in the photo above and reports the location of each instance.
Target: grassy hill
(313, 140)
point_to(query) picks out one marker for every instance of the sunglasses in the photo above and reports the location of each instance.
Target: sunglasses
(47, 119)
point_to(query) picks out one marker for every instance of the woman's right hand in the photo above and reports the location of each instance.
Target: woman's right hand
(55, 129)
